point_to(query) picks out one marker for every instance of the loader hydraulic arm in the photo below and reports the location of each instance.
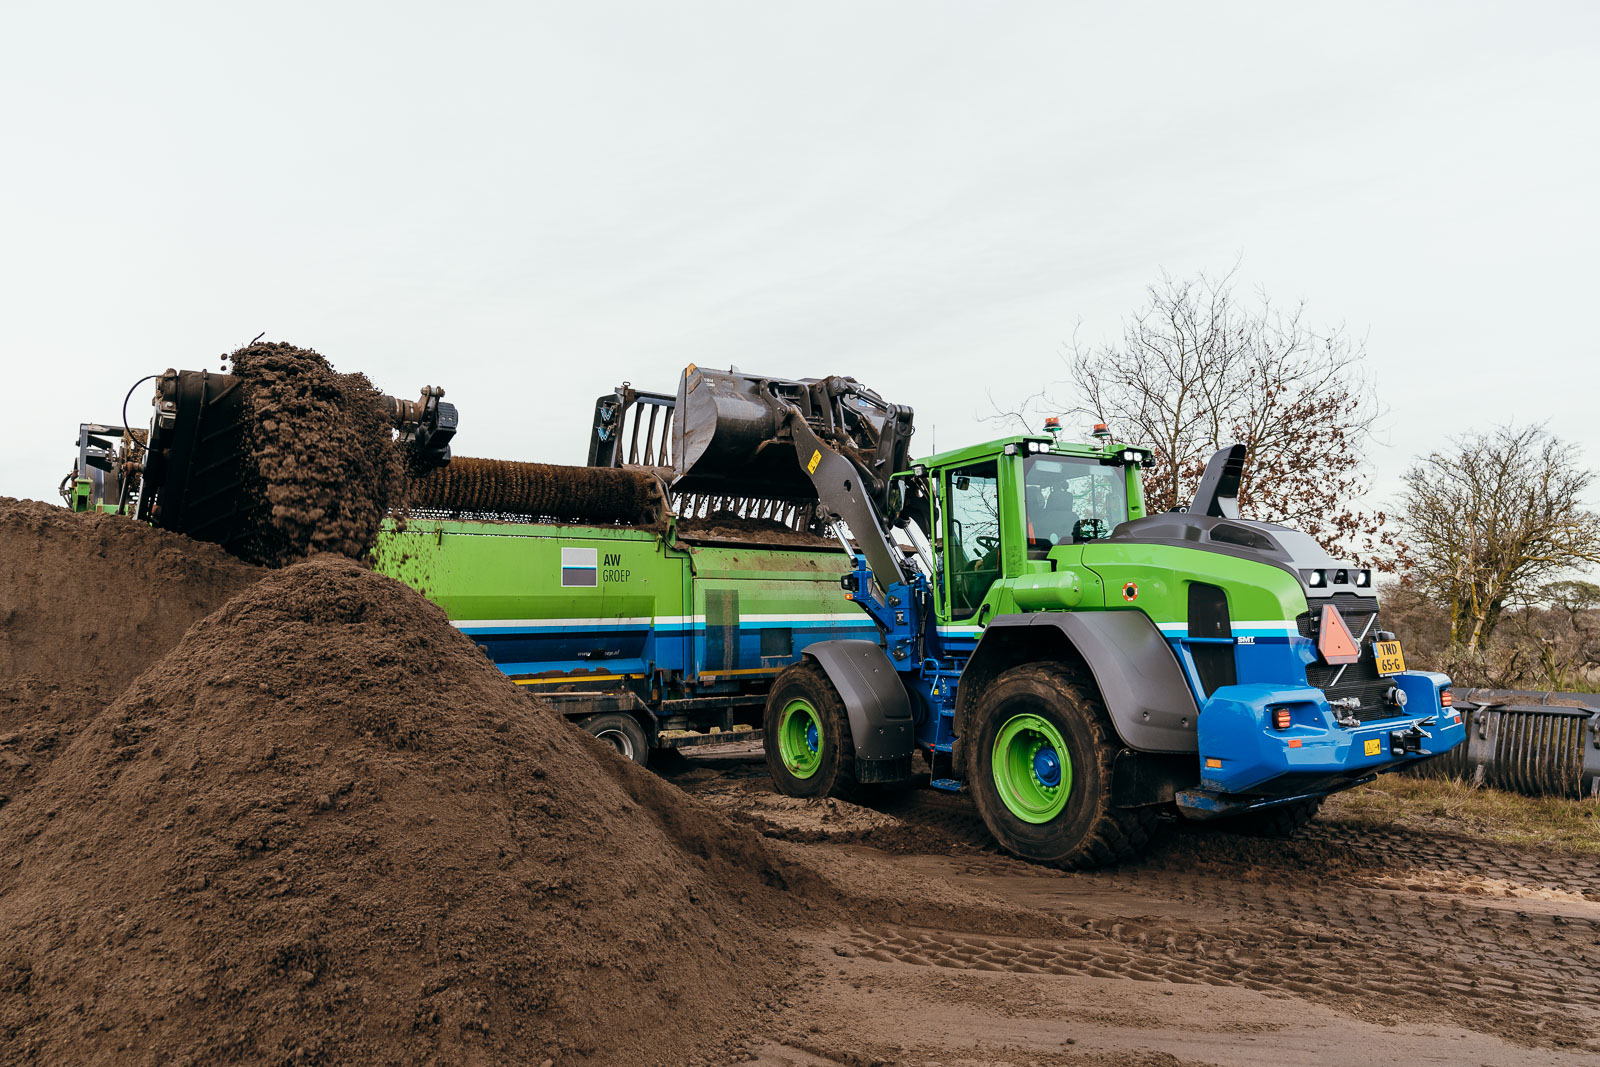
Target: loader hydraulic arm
(840, 490)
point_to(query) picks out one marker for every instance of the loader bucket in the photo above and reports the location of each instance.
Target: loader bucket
(728, 436)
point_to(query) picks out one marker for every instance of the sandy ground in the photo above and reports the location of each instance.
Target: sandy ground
(1335, 947)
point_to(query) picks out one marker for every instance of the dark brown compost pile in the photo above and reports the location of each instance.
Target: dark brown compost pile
(324, 829)
(87, 602)
(324, 470)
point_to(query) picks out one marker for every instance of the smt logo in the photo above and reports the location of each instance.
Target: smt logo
(580, 567)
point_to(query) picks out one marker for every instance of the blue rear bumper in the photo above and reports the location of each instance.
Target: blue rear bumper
(1246, 762)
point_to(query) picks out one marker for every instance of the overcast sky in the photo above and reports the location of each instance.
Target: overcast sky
(528, 203)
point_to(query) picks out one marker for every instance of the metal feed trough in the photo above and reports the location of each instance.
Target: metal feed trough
(1537, 743)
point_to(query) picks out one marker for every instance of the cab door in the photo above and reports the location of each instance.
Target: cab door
(973, 551)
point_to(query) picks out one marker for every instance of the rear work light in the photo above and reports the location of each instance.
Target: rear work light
(1280, 718)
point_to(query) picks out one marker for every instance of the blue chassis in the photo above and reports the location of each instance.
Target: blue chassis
(1245, 762)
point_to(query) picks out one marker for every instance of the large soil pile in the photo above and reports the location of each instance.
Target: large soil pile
(323, 467)
(323, 829)
(86, 603)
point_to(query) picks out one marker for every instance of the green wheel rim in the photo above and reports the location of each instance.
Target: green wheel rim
(1032, 769)
(800, 738)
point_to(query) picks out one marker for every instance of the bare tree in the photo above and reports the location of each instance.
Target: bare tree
(1491, 520)
(1547, 640)
(1196, 368)
(1572, 658)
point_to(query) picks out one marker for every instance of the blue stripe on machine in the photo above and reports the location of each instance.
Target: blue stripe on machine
(669, 623)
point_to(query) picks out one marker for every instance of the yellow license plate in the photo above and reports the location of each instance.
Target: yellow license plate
(1389, 657)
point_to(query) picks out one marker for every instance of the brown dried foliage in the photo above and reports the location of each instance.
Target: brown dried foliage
(1197, 369)
(1552, 642)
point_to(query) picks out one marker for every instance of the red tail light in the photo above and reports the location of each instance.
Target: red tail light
(1446, 698)
(1280, 718)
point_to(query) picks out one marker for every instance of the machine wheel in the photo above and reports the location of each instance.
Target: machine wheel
(806, 735)
(623, 733)
(1040, 771)
(1281, 821)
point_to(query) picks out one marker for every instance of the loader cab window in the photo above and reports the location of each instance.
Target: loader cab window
(918, 506)
(1071, 501)
(973, 544)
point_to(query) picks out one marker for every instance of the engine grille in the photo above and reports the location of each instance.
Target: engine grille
(1359, 680)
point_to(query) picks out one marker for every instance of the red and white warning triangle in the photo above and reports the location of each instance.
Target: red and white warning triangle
(1334, 639)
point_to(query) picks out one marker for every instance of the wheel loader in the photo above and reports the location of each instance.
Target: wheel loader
(1081, 667)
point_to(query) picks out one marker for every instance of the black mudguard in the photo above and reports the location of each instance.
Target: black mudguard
(880, 710)
(1139, 678)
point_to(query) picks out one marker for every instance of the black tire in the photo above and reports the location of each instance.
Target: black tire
(834, 773)
(1088, 831)
(1282, 821)
(623, 733)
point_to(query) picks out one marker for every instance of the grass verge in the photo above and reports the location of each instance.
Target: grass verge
(1432, 804)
